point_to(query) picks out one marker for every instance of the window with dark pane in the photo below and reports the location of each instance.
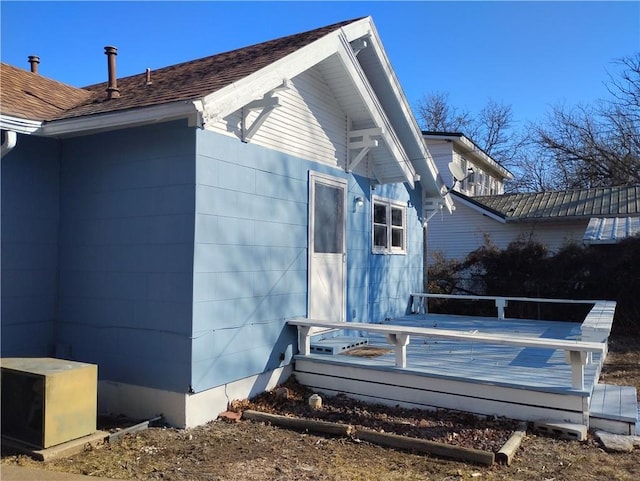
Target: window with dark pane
(389, 218)
(380, 231)
(380, 213)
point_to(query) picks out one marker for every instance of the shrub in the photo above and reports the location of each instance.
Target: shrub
(527, 269)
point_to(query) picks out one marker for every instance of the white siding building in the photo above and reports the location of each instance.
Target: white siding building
(484, 213)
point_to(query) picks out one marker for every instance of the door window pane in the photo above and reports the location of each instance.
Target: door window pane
(328, 209)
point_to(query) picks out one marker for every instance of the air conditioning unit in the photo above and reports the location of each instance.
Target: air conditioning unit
(47, 401)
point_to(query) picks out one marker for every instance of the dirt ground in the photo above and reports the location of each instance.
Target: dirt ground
(245, 450)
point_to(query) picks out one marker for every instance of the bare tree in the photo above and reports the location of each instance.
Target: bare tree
(581, 146)
(534, 171)
(492, 129)
(598, 145)
(436, 114)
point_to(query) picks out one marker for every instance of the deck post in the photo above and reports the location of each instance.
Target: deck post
(418, 304)
(578, 360)
(501, 303)
(304, 340)
(400, 341)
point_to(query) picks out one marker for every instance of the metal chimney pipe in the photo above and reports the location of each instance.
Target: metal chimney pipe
(34, 60)
(113, 92)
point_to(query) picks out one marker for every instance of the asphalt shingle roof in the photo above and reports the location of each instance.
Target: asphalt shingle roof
(27, 95)
(184, 81)
(594, 202)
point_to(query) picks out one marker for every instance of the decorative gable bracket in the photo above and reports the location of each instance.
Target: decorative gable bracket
(360, 44)
(366, 143)
(430, 207)
(265, 105)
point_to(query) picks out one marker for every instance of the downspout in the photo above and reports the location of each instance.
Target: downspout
(9, 142)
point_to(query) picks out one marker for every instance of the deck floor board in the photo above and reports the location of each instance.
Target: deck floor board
(529, 367)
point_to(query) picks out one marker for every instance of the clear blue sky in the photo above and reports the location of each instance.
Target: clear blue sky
(530, 55)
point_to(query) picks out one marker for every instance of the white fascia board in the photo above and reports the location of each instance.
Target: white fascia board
(18, 125)
(480, 210)
(367, 94)
(233, 97)
(471, 148)
(425, 165)
(127, 118)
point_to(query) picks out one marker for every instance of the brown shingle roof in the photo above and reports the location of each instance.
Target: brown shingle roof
(31, 96)
(196, 78)
(594, 202)
(34, 97)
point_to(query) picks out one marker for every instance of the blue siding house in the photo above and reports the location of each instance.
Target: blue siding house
(166, 225)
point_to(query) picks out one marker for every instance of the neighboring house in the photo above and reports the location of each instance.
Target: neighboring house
(484, 176)
(590, 216)
(166, 225)
(483, 212)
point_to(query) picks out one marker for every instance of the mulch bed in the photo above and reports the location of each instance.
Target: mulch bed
(456, 428)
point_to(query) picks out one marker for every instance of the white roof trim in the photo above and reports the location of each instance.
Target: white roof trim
(18, 125)
(120, 119)
(231, 98)
(481, 210)
(425, 165)
(375, 110)
(463, 142)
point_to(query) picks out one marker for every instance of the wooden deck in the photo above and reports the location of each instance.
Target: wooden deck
(482, 362)
(522, 379)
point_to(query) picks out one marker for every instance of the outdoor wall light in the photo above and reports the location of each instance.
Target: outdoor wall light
(358, 202)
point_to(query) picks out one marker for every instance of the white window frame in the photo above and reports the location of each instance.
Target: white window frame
(389, 205)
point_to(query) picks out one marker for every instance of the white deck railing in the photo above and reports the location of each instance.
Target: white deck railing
(577, 352)
(419, 301)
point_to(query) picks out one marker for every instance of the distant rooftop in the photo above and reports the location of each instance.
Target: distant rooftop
(594, 202)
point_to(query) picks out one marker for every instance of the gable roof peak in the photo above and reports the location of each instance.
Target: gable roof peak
(197, 78)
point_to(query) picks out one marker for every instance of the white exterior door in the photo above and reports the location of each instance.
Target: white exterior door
(327, 247)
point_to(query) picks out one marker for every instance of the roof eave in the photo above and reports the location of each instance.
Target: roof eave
(19, 125)
(418, 155)
(463, 142)
(479, 207)
(189, 109)
(233, 97)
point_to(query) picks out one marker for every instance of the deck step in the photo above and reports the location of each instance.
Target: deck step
(614, 409)
(337, 345)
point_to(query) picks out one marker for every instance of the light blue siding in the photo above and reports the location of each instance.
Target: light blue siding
(250, 257)
(358, 250)
(172, 257)
(394, 277)
(30, 217)
(126, 253)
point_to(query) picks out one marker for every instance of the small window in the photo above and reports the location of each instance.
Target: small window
(389, 226)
